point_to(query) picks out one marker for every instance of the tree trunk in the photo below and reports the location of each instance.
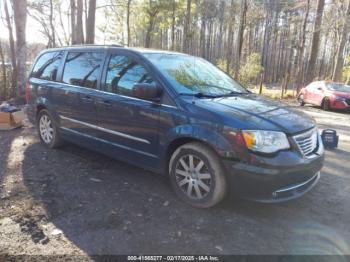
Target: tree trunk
(279, 57)
(90, 22)
(3, 92)
(53, 34)
(202, 36)
(230, 37)
(266, 40)
(337, 74)
(273, 67)
(186, 34)
(273, 42)
(73, 11)
(300, 74)
(315, 41)
(322, 65)
(149, 32)
(79, 26)
(128, 21)
(221, 28)
(173, 25)
(242, 21)
(20, 16)
(12, 48)
(208, 53)
(152, 12)
(333, 55)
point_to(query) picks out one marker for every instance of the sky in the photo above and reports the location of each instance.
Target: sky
(33, 33)
(32, 30)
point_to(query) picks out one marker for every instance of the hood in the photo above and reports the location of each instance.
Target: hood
(341, 94)
(259, 113)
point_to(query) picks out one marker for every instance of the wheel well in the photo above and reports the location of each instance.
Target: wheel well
(324, 100)
(179, 142)
(39, 108)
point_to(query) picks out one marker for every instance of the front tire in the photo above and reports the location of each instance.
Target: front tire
(47, 129)
(197, 175)
(301, 100)
(325, 104)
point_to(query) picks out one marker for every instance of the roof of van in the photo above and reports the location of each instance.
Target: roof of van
(136, 49)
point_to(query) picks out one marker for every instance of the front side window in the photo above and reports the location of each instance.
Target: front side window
(123, 72)
(83, 69)
(47, 66)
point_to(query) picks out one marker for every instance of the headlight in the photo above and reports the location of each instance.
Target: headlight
(265, 141)
(339, 98)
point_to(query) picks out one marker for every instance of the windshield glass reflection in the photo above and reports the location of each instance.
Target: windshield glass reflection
(190, 74)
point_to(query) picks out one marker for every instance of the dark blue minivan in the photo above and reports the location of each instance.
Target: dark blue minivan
(176, 115)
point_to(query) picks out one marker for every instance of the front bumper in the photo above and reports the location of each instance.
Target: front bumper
(341, 105)
(286, 176)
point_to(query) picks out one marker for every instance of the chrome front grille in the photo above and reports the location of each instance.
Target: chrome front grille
(307, 142)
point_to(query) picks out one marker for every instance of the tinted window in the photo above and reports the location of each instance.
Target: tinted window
(47, 66)
(123, 73)
(83, 69)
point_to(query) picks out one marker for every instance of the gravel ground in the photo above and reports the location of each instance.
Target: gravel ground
(75, 201)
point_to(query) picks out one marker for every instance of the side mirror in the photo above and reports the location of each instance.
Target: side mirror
(147, 91)
(320, 88)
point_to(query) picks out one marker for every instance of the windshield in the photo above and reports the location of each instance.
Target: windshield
(338, 87)
(193, 75)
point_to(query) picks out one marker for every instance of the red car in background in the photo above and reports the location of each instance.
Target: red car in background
(328, 95)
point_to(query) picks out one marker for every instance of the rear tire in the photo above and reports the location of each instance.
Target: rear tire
(47, 129)
(197, 175)
(325, 104)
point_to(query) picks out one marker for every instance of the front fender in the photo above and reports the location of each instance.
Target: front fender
(208, 136)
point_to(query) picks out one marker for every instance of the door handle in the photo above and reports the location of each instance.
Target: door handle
(104, 102)
(87, 99)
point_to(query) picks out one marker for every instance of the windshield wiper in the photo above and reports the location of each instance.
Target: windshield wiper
(199, 95)
(232, 92)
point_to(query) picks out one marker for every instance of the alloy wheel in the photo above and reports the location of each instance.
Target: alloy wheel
(46, 129)
(325, 104)
(193, 176)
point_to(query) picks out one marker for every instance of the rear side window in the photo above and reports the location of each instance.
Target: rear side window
(123, 72)
(83, 69)
(47, 66)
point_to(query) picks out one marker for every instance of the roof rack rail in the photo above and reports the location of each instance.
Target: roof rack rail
(115, 45)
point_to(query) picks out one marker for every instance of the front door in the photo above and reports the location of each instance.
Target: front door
(309, 93)
(318, 94)
(129, 123)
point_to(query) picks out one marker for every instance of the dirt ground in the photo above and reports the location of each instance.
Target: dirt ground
(75, 201)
